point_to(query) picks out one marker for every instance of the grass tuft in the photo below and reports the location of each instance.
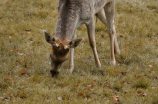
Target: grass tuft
(141, 83)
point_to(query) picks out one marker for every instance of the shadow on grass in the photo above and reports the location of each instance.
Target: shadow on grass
(141, 83)
(98, 72)
(122, 60)
(155, 102)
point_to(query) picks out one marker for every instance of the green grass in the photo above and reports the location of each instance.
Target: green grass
(24, 57)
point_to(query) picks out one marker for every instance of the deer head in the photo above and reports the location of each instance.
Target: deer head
(60, 50)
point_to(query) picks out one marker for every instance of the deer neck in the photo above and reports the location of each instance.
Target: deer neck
(67, 22)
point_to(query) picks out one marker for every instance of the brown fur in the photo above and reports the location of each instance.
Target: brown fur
(72, 14)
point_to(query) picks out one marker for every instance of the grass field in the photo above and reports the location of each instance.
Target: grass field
(25, 63)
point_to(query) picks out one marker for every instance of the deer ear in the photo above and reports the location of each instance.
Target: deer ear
(49, 37)
(75, 43)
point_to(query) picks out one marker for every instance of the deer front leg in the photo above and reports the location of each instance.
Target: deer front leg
(71, 60)
(91, 36)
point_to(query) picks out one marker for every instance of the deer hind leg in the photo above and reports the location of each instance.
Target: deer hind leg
(101, 16)
(116, 46)
(109, 11)
(91, 36)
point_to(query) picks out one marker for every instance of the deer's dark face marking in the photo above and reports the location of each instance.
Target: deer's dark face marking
(58, 55)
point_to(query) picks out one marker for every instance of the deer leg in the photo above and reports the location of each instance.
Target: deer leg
(71, 60)
(91, 36)
(116, 46)
(102, 17)
(109, 11)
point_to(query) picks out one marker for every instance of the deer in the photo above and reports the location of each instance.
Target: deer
(71, 15)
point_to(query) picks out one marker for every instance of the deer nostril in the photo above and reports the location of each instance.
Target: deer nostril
(54, 73)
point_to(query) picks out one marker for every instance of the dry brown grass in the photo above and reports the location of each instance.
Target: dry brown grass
(24, 62)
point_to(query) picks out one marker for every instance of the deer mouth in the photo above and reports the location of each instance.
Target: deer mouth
(54, 73)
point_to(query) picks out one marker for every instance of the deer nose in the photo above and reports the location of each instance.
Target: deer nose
(53, 73)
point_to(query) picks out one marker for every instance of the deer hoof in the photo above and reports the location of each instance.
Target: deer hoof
(53, 73)
(113, 63)
(98, 65)
(71, 69)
